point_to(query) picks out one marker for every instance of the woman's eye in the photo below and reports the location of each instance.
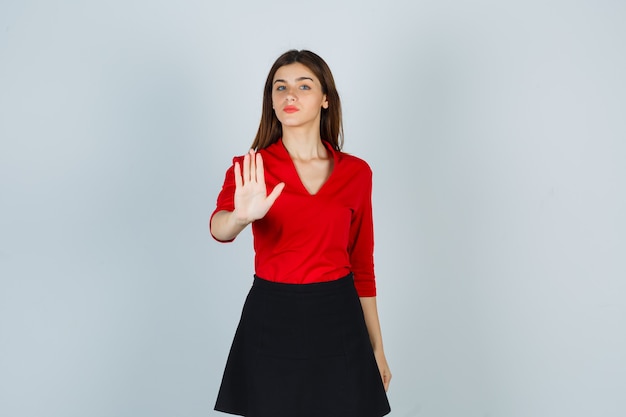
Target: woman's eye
(280, 88)
(305, 87)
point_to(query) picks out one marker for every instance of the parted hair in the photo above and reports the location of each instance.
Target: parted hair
(331, 127)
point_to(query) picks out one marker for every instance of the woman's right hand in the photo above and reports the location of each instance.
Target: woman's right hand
(251, 199)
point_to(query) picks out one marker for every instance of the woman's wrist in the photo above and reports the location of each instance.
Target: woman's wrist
(238, 220)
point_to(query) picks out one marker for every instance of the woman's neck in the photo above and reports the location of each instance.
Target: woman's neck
(304, 146)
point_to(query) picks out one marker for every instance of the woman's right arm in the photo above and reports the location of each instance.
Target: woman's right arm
(225, 226)
(251, 199)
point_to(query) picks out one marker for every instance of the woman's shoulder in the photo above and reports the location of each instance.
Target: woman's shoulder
(354, 163)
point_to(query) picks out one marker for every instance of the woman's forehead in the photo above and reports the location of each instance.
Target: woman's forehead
(295, 71)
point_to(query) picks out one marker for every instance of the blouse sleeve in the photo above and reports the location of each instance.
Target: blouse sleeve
(226, 197)
(361, 248)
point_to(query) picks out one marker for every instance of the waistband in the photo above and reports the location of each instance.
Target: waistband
(316, 287)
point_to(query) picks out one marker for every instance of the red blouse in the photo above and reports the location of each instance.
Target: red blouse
(307, 238)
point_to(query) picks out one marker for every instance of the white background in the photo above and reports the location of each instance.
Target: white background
(497, 135)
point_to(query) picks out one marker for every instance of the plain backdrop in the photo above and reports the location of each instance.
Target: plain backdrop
(496, 131)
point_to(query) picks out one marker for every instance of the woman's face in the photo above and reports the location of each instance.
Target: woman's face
(297, 96)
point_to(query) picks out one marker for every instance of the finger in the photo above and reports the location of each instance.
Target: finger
(252, 166)
(386, 380)
(275, 193)
(260, 172)
(246, 169)
(238, 182)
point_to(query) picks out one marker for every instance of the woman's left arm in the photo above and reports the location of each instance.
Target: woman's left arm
(370, 311)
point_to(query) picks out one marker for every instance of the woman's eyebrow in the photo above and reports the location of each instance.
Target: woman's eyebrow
(280, 80)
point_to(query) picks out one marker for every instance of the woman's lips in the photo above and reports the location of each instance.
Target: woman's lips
(290, 109)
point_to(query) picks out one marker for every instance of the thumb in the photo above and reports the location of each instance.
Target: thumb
(275, 193)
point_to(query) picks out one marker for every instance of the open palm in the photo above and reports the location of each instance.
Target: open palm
(251, 199)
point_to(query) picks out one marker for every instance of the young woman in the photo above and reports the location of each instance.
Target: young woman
(309, 342)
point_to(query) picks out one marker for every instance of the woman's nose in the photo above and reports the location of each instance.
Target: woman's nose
(291, 96)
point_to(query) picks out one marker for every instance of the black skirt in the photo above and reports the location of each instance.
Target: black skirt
(302, 351)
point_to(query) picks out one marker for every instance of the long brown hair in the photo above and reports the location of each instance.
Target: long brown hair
(331, 127)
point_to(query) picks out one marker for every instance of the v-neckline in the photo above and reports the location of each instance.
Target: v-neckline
(294, 170)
